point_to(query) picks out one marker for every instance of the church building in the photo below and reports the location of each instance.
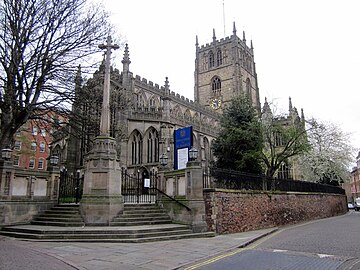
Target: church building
(145, 115)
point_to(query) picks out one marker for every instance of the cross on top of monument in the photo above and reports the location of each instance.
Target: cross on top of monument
(108, 46)
(105, 112)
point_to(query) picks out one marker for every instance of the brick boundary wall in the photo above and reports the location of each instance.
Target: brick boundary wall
(230, 211)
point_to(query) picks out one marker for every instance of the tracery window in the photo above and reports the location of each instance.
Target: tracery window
(219, 58)
(248, 89)
(211, 59)
(216, 85)
(153, 103)
(284, 171)
(278, 139)
(136, 148)
(153, 146)
(140, 102)
(187, 115)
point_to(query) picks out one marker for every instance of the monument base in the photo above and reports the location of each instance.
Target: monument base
(101, 210)
(102, 199)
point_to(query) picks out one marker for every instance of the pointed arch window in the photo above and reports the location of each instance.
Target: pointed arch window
(153, 146)
(187, 115)
(211, 59)
(219, 57)
(140, 101)
(216, 85)
(248, 89)
(136, 148)
(153, 103)
(206, 151)
(284, 171)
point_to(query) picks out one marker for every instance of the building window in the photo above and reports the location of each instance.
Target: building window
(248, 89)
(32, 163)
(17, 145)
(153, 146)
(153, 104)
(43, 132)
(16, 160)
(42, 147)
(140, 101)
(136, 148)
(284, 171)
(41, 164)
(33, 146)
(34, 131)
(219, 58)
(278, 139)
(216, 85)
(211, 59)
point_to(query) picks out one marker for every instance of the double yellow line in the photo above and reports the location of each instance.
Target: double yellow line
(217, 258)
(238, 250)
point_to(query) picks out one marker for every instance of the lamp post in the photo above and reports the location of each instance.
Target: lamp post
(54, 160)
(163, 160)
(193, 154)
(6, 153)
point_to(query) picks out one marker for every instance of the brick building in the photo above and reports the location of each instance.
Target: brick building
(32, 141)
(355, 179)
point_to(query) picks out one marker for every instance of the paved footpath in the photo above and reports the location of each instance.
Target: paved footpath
(15, 254)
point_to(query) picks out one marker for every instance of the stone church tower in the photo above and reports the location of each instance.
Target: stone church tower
(224, 69)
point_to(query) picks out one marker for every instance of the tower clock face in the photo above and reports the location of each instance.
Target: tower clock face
(215, 103)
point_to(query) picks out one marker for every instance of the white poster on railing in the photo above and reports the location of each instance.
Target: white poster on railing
(183, 158)
(146, 182)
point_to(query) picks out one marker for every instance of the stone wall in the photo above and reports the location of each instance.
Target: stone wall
(229, 211)
(16, 212)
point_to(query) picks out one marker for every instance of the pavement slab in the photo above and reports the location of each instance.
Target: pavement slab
(151, 255)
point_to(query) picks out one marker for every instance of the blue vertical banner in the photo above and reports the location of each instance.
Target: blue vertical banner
(182, 143)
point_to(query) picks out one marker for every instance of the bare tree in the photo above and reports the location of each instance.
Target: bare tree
(42, 42)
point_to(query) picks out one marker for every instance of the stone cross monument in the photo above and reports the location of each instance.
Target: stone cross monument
(105, 111)
(102, 199)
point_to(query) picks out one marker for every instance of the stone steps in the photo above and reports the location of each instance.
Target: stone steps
(141, 214)
(134, 234)
(65, 215)
(137, 223)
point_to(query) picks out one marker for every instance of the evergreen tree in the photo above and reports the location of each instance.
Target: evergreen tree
(240, 142)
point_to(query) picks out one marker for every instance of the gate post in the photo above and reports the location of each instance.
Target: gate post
(54, 175)
(194, 194)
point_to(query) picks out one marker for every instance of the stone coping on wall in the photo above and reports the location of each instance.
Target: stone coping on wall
(269, 192)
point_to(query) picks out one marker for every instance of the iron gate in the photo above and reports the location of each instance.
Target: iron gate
(139, 187)
(70, 187)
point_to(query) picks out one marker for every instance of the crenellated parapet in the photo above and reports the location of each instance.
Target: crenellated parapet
(146, 84)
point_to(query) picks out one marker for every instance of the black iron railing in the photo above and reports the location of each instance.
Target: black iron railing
(229, 179)
(138, 189)
(70, 188)
(174, 200)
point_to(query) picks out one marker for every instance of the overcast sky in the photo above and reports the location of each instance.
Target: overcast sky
(308, 50)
